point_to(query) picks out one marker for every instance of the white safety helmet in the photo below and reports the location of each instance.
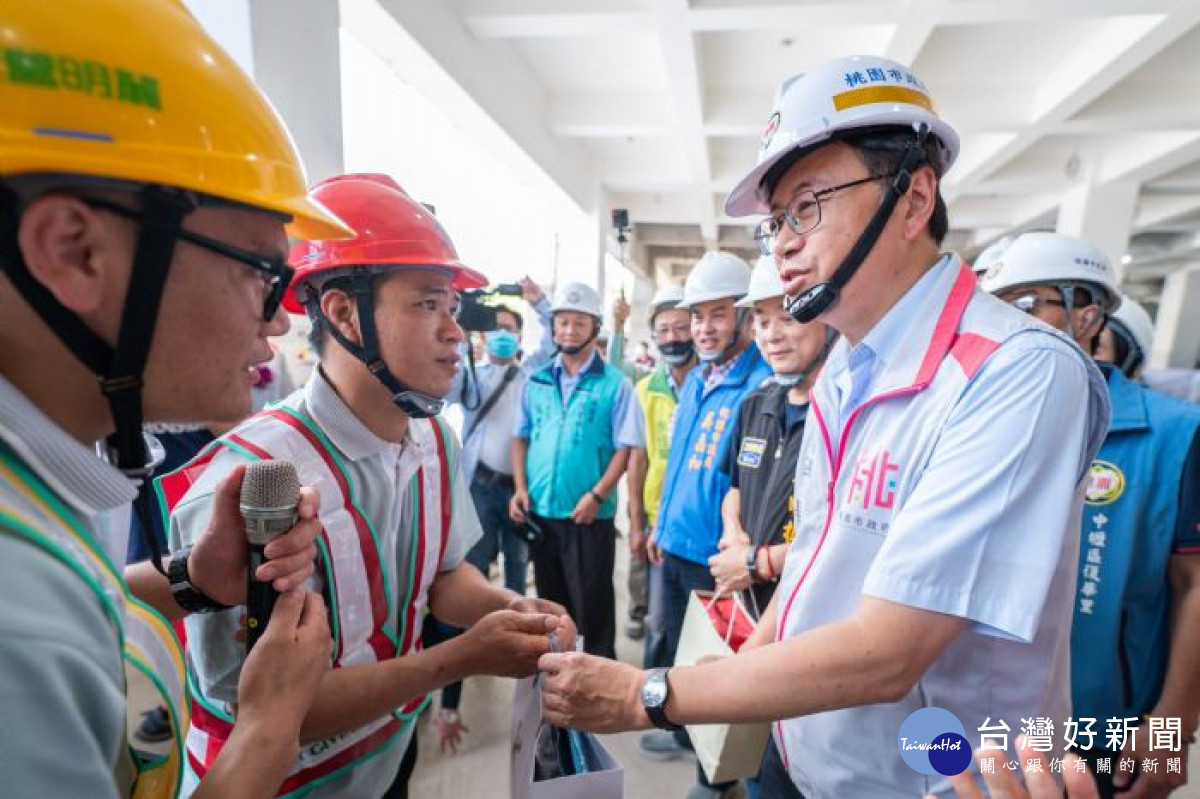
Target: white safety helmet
(847, 94)
(991, 254)
(578, 297)
(764, 283)
(665, 299)
(715, 276)
(1042, 258)
(1133, 322)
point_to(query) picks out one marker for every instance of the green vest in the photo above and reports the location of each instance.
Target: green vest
(570, 445)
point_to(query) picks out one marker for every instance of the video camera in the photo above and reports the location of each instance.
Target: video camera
(475, 315)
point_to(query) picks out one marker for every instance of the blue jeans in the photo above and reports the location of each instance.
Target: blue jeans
(655, 653)
(499, 535)
(680, 577)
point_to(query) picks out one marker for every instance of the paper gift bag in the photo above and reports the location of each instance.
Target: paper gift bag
(605, 779)
(726, 751)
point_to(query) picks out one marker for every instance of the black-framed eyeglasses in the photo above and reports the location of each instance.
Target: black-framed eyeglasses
(276, 272)
(802, 213)
(1029, 303)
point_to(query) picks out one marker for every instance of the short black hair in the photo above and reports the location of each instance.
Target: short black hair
(881, 150)
(505, 309)
(318, 334)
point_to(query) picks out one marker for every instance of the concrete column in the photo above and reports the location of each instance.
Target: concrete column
(1176, 334)
(297, 62)
(1101, 215)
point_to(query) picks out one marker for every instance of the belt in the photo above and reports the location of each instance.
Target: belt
(491, 477)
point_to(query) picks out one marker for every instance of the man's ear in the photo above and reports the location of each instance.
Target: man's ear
(341, 311)
(1092, 319)
(73, 251)
(922, 196)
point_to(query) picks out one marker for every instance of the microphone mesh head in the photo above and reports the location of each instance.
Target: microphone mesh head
(270, 484)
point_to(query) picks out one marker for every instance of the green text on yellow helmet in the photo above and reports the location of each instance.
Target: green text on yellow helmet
(135, 90)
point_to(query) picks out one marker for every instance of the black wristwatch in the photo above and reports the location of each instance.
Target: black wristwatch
(186, 595)
(655, 694)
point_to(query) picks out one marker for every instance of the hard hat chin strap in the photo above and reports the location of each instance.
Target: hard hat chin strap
(1134, 355)
(414, 404)
(119, 368)
(741, 316)
(821, 297)
(578, 348)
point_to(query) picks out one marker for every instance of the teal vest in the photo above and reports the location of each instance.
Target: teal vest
(570, 446)
(1120, 639)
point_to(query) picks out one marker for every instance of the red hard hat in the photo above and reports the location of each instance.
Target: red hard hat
(391, 229)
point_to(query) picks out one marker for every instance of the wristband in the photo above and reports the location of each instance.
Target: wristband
(599, 499)
(769, 570)
(186, 595)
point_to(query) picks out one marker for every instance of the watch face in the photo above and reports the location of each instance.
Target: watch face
(654, 692)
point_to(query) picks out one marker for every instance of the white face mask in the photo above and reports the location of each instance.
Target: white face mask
(787, 380)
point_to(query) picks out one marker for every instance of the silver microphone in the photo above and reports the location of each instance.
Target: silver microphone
(270, 493)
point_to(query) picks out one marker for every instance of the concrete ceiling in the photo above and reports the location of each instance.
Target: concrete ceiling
(661, 102)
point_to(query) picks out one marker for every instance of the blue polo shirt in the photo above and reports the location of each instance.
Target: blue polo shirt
(689, 518)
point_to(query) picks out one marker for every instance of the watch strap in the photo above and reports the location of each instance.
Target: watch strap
(657, 712)
(186, 595)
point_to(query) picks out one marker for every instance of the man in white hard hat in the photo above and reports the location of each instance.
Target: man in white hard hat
(989, 255)
(1126, 339)
(1135, 641)
(689, 519)
(938, 489)
(657, 397)
(570, 447)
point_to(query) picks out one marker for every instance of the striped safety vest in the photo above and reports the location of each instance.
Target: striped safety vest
(356, 586)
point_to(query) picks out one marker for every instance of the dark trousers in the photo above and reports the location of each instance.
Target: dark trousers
(680, 577)
(499, 534)
(773, 781)
(573, 566)
(399, 787)
(655, 654)
(1104, 782)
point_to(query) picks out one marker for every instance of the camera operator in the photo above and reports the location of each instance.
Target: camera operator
(490, 395)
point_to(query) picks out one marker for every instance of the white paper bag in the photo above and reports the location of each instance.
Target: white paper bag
(726, 752)
(607, 782)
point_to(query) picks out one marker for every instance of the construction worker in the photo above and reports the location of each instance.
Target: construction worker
(396, 515)
(939, 484)
(657, 396)
(570, 447)
(1127, 338)
(689, 520)
(1135, 641)
(144, 188)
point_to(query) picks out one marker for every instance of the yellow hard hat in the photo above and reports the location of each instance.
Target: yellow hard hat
(135, 90)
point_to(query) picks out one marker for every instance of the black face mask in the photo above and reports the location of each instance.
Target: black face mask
(677, 353)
